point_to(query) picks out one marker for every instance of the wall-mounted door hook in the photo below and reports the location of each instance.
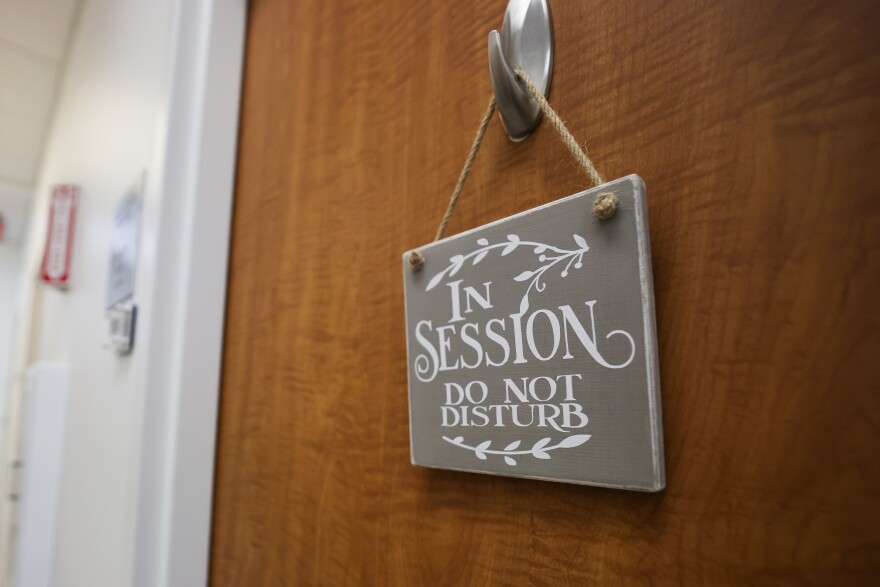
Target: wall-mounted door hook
(526, 41)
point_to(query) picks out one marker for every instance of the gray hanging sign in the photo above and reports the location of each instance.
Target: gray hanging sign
(532, 348)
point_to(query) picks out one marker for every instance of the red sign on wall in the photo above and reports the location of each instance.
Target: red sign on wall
(59, 237)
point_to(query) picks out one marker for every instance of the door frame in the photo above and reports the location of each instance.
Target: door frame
(196, 155)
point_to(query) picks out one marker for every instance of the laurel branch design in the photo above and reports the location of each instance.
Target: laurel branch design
(540, 450)
(549, 255)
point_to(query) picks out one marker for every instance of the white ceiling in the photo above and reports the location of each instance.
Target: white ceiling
(33, 40)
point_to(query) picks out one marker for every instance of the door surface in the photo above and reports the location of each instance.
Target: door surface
(756, 126)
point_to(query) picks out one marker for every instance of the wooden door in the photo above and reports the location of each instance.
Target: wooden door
(756, 126)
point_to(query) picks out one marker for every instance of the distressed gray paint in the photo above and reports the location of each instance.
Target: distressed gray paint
(625, 444)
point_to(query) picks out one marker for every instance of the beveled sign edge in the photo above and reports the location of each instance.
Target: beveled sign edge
(652, 358)
(646, 279)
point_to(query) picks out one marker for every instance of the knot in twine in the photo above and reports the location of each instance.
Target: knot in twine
(416, 261)
(605, 205)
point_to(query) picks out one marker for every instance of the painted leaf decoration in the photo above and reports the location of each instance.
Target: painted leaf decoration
(513, 238)
(480, 456)
(539, 250)
(524, 275)
(480, 257)
(581, 242)
(540, 454)
(512, 445)
(435, 280)
(524, 304)
(484, 445)
(510, 461)
(573, 441)
(482, 241)
(541, 443)
(456, 267)
(456, 259)
(458, 439)
(509, 248)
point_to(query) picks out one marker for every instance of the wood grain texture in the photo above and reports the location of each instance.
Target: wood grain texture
(756, 126)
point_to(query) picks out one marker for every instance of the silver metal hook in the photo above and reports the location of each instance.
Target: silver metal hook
(526, 41)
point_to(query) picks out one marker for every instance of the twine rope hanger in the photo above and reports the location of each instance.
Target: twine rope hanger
(605, 205)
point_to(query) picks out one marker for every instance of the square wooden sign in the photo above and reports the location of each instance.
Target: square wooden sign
(532, 348)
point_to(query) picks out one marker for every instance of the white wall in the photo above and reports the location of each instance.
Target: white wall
(149, 86)
(44, 425)
(33, 39)
(10, 270)
(107, 129)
